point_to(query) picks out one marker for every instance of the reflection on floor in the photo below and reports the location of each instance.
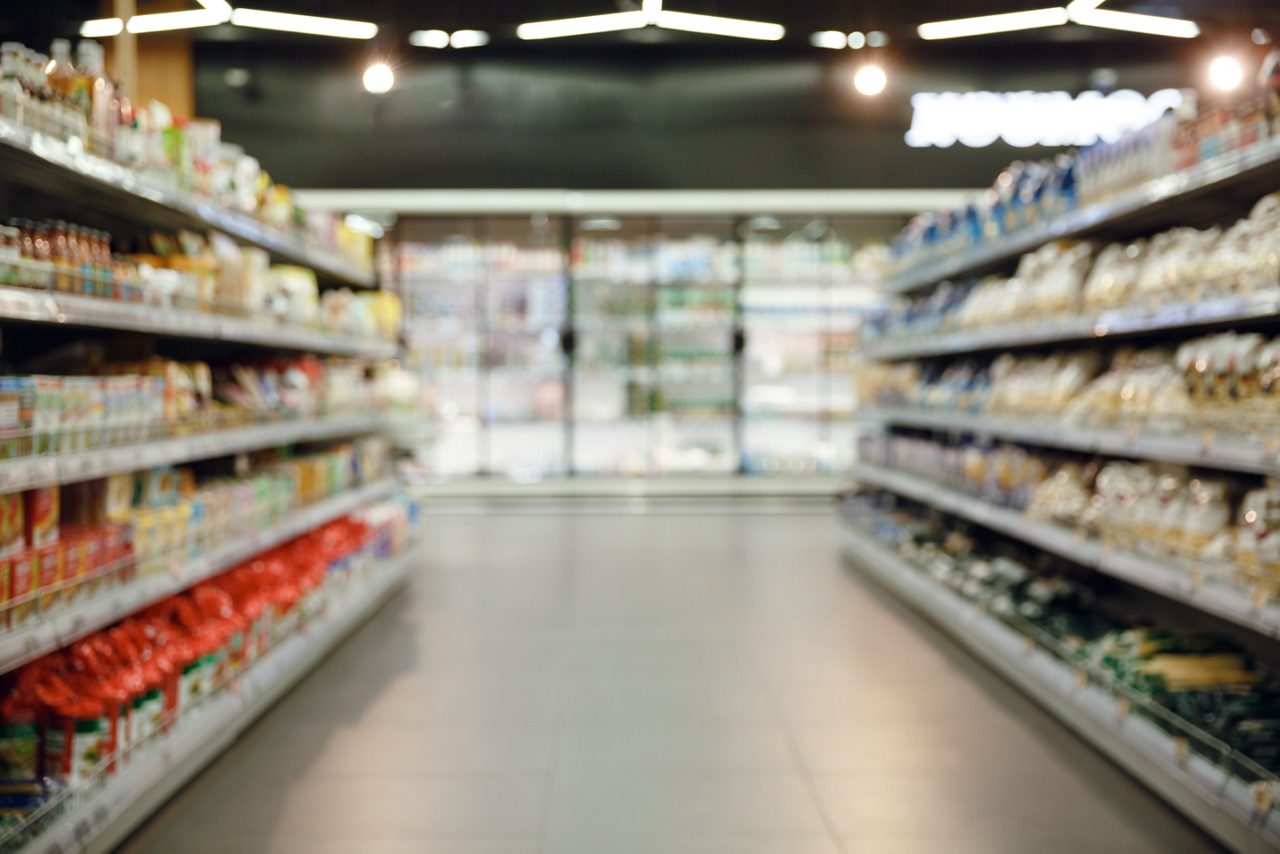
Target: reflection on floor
(655, 683)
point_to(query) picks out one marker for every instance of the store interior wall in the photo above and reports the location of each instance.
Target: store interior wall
(629, 117)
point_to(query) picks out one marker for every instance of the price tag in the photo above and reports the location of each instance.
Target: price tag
(1122, 707)
(1195, 578)
(1133, 431)
(1206, 439)
(1079, 535)
(1271, 448)
(1028, 644)
(1263, 795)
(1181, 749)
(1082, 678)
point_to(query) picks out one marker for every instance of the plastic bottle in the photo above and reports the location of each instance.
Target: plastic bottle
(98, 94)
(11, 95)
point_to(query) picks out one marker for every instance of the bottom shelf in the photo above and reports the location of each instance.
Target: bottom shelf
(1237, 814)
(104, 818)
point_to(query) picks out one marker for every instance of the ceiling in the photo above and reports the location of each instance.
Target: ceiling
(1219, 19)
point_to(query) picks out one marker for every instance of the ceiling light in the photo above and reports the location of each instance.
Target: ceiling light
(1075, 7)
(877, 38)
(857, 40)
(1260, 36)
(985, 24)
(429, 38)
(101, 28)
(160, 22)
(311, 25)
(830, 39)
(870, 80)
(236, 78)
(583, 26)
(379, 78)
(1226, 73)
(469, 38)
(1154, 25)
(714, 25)
(651, 9)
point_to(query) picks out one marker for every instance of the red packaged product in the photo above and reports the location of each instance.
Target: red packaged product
(21, 586)
(49, 575)
(41, 516)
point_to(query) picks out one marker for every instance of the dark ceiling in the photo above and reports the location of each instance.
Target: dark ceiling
(1218, 18)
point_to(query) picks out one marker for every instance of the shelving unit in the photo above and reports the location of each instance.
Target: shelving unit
(103, 818)
(1237, 813)
(38, 162)
(1199, 194)
(47, 175)
(1189, 585)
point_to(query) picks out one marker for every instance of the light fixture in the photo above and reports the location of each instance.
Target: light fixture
(1153, 25)
(857, 40)
(582, 26)
(469, 38)
(1260, 36)
(429, 38)
(830, 39)
(985, 24)
(651, 14)
(311, 25)
(379, 78)
(1226, 73)
(159, 22)
(101, 28)
(236, 78)
(877, 38)
(870, 80)
(714, 25)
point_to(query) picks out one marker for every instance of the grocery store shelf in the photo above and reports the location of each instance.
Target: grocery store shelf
(1190, 446)
(1237, 605)
(1117, 323)
(32, 306)
(125, 800)
(656, 486)
(36, 471)
(1162, 202)
(22, 645)
(58, 168)
(1219, 802)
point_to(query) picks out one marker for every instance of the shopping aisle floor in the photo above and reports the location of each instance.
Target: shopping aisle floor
(658, 683)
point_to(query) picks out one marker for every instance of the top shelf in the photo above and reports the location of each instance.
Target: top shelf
(1225, 185)
(51, 166)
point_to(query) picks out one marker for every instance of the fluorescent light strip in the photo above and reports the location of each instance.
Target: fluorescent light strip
(469, 38)
(830, 39)
(985, 24)
(311, 25)
(1075, 7)
(583, 26)
(429, 38)
(1154, 25)
(651, 9)
(716, 26)
(160, 22)
(101, 28)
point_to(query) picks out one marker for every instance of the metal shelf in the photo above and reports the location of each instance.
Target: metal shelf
(66, 626)
(1234, 604)
(1221, 803)
(1163, 202)
(102, 821)
(36, 471)
(1118, 323)
(32, 306)
(1189, 447)
(55, 167)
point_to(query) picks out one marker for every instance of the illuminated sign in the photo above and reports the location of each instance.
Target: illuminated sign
(978, 119)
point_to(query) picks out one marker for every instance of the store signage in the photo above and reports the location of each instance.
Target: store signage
(978, 119)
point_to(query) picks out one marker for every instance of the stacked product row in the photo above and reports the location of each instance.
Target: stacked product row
(1208, 690)
(62, 546)
(78, 101)
(1066, 278)
(73, 719)
(187, 271)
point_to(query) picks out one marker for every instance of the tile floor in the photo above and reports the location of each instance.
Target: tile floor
(709, 682)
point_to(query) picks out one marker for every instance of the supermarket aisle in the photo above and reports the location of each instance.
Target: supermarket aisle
(655, 683)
